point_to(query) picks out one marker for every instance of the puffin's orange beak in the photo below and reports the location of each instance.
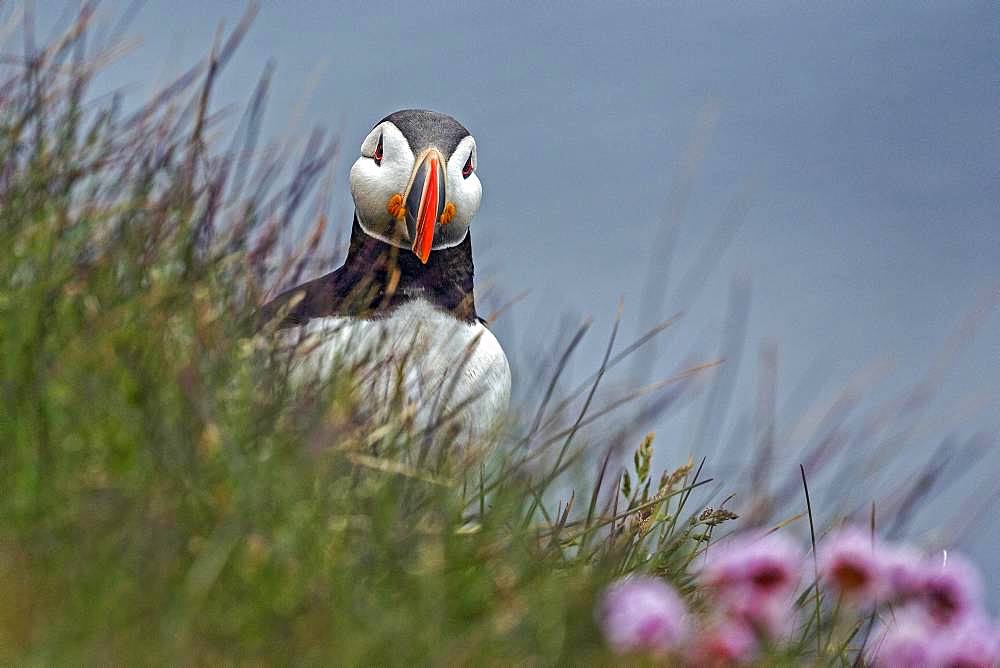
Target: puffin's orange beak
(425, 202)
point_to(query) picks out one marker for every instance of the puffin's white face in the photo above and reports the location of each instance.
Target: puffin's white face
(420, 202)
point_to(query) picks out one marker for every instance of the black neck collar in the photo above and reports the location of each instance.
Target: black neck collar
(377, 277)
(446, 280)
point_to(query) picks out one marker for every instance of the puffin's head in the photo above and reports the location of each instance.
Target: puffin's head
(415, 184)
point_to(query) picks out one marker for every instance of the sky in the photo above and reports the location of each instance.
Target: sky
(836, 160)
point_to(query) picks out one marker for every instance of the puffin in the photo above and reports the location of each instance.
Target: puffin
(401, 310)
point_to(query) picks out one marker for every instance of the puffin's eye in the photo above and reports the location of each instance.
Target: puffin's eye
(467, 170)
(378, 152)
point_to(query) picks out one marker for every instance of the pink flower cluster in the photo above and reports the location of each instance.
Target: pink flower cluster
(750, 581)
(936, 617)
(643, 614)
(929, 608)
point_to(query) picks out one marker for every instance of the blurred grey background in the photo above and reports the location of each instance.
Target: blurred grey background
(837, 162)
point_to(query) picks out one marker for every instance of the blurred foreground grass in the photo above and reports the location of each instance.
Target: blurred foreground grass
(168, 494)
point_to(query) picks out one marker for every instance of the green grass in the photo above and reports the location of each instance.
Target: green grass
(169, 495)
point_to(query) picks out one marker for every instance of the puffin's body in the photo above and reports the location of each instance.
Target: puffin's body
(401, 308)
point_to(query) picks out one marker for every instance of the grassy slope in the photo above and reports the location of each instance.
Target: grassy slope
(168, 494)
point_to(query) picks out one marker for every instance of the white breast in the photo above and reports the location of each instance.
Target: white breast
(443, 369)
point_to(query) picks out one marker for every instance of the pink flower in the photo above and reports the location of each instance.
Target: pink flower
(762, 565)
(851, 563)
(950, 589)
(973, 642)
(723, 642)
(914, 638)
(642, 614)
(903, 642)
(752, 578)
(903, 572)
(773, 618)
